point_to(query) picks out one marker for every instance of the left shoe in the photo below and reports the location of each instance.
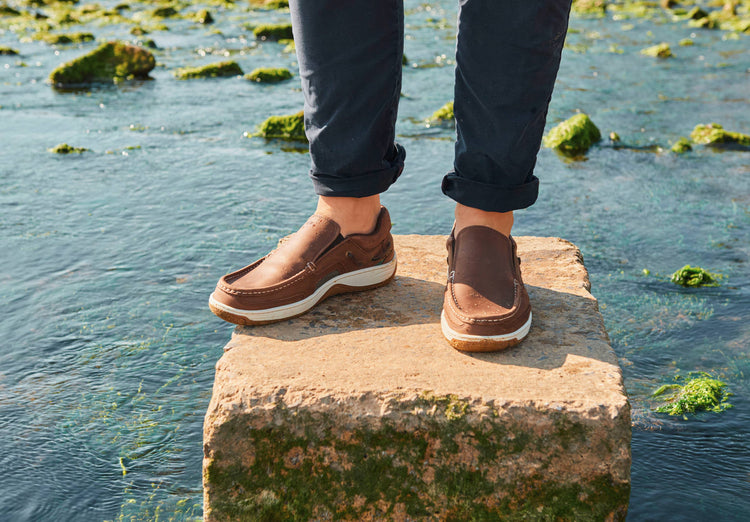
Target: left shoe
(486, 307)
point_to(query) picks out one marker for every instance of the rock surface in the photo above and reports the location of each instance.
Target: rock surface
(110, 62)
(359, 409)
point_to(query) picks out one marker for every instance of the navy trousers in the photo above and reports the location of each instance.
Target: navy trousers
(507, 58)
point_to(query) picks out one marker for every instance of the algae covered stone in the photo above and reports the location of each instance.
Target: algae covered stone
(681, 146)
(443, 115)
(213, 70)
(110, 62)
(269, 75)
(698, 394)
(661, 50)
(204, 17)
(274, 32)
(714, 134)
(695, 276)
(290, 127)
(574, 136)
(8, 51)
(596, 7)
(64, 148)
(58, 39)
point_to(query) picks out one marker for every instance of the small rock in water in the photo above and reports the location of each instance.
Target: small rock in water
(695, 276)
(213, 70)
(574, 136)
(661, 50)
(596, 7)
(714, 134)
(614, 137)
(110, 62)
(58, 39)
(443, 115)
(64, 148)
(7, 51)
(291, 127)
(204, 17)
(681, 146)
(274, 32)
(269, 75)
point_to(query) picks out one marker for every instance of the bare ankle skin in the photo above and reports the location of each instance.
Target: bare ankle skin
(468, 216)
(353, 215)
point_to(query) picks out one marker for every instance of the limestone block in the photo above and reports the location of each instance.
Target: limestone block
(359, 410)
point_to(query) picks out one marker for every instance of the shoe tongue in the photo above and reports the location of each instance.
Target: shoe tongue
(293, 254)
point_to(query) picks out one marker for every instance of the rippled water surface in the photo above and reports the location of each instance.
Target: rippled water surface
(108, 347)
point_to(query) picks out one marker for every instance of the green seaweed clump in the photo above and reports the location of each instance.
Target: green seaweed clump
(274, 32)
(6, 10)
(698, 394)
(164, 12)
(58, 39)
(574, 136)
(269, 75)
(64, 148)
(290, 128)
(443, 115)
(596, 7)
(694, 276)
(714, 134)
(212, 70)
(7, 51)
(270, 4)
(110, 62)
(204, 17)
(681, 146)
(661, 50)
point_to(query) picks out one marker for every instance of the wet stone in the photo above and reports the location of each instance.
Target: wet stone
(360, 410)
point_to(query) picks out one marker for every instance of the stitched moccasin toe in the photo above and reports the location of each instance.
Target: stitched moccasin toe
(486, 307)
(308, 266)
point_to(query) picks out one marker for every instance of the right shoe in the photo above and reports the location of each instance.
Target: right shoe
(314, 263)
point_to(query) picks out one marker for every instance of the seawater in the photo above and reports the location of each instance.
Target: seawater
(108, 347)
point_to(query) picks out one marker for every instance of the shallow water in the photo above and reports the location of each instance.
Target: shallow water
(108, 349)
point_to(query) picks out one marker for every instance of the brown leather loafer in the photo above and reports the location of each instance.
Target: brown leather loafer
(486, 307)
(308, 266)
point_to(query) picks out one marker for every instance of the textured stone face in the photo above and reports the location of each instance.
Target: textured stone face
(359, 410)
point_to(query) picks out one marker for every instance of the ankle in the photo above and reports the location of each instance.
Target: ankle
(468, 216)
(353, 215)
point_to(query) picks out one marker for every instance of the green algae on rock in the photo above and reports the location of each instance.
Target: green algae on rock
(212, 70)
(443, 115)
(204, 17)
(681, 146)
(270, 4)
(58, 39)
(290, 127)
(64, 148)
(703, 393)
(269, 75)
(695, 276)
(714, 134)
(595, 7)
(110, 62)
(8, 51)
(274, 32)
(574, 136)
(661, 50)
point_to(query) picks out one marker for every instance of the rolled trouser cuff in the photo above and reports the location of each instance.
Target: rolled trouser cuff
(360, 185)
(491, 198)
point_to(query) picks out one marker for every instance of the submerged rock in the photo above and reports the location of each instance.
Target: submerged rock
(6, 10)
(110, 62)
(269, 75)
(212, 70)
(443, 115)
(695, 276)
(164, 12)
(270, 4)
(290, 127)
(64, 148)
(681, 146)
(661, 50)
(7, 51)
(589, 6)
(274, 32)
(574, 136)
(58, 39)
(698, 394)
(204, 17)
(714, 134)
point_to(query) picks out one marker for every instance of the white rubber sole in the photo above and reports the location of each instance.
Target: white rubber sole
(367, 277)
(453, 336)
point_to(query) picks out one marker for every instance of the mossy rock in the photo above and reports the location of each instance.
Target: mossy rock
(110, 62)
(70, 38)
(443, 115)
(681, 146)
(714, 134)
(269, 75)
(686, 42)
(164, 12)
(212, 70)
(290, 127)
(698, 394)
(694, 276)
(289, 46)
(274, 32)
(6, 10)
(574, 136)
(64, 148)
(8, 51)
(661, 50)
(270, 4)
(595, 7)
(204, 17)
